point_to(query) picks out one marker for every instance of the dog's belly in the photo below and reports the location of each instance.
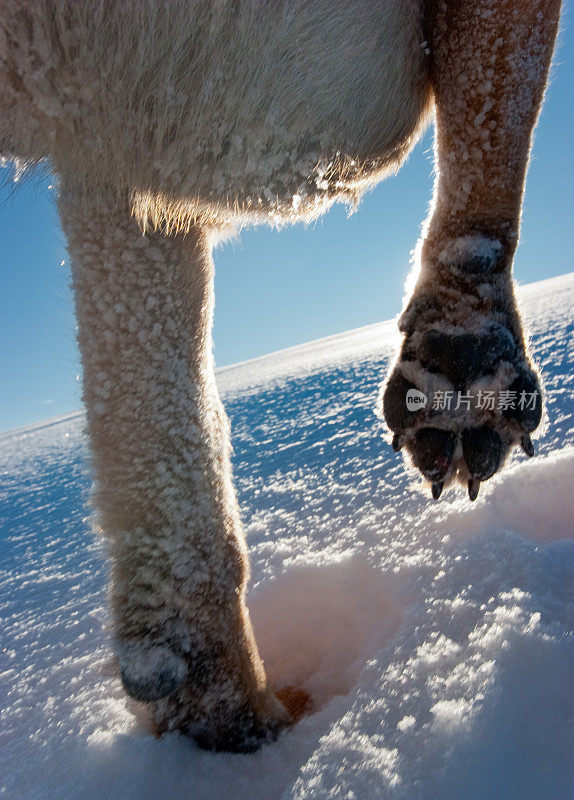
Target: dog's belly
(302, 102)
(271, 105)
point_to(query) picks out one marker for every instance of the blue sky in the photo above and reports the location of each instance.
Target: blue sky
(274, 289)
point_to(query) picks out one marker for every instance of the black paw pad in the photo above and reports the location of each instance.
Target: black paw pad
(432, 452)
(464, 357)
(151, 673)
(478, 264)
(497, 344)
(483, 450)
(397, 415)
(455, 356)
(526, 408)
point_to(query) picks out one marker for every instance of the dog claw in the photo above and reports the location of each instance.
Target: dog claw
(473, 487)
(527, 446)
(437, 488)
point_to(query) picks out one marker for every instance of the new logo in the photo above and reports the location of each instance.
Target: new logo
(416, 400)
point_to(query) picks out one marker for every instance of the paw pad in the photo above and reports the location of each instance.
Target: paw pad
(464, 357)
(432, 452)
(483, 451)
(150, 672)
(395, 409)
(527, 414)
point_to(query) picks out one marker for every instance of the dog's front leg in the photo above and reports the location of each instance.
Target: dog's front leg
(163, 488)
(464, 347)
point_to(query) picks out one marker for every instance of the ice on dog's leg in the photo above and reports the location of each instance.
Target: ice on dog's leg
(463, 335)
(163, 486)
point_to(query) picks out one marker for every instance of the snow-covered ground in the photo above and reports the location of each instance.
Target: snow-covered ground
(435, 638)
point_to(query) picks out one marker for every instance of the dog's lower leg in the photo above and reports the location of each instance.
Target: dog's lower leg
(164, 496)
(463, 334)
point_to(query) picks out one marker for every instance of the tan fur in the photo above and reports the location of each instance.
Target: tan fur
(192, 115)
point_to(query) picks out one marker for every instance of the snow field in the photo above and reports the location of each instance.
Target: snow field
(435, 638)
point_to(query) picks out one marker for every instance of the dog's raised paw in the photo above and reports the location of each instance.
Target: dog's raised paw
(463, 391)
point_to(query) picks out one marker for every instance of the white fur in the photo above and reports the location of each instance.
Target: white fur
(219, 109)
